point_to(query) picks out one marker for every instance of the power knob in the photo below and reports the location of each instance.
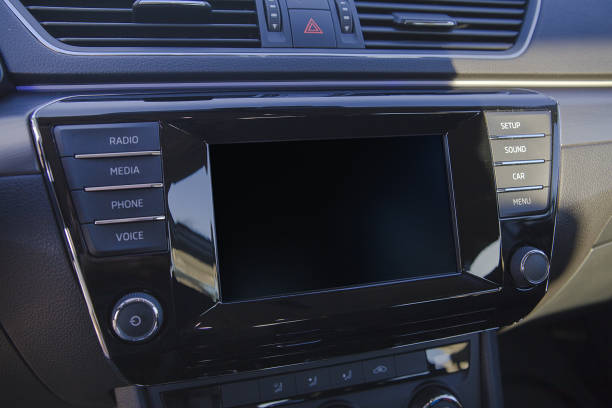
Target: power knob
(137, 317)
(529, 267)
(435, 396)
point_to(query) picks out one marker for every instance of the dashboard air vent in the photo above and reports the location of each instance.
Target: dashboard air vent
(469, 25)
(121, 23)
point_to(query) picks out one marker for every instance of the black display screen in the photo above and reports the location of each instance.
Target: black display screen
(309, 215)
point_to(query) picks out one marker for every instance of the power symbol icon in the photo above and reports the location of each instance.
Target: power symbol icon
(135, 320)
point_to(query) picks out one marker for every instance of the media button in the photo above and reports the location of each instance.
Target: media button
(346, 375)
(112, 171)
(134, 237)
(379, 369)
(107, 138)
(278, 387)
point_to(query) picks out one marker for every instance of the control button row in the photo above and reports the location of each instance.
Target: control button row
(345, 16)
(273, 15)
(316, 380)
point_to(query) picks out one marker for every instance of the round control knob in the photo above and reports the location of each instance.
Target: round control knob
(529, 267)
(137, 317)
(435, 396)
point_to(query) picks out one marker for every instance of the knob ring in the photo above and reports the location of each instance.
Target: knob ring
(442, 398)
(136, 298)
(522, 266)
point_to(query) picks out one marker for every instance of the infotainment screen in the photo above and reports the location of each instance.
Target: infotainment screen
(302, 216)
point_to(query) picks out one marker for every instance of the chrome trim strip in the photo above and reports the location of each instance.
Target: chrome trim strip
(527, 136)
(71, 248)
(133, 219)
(510, 163)
(443, 398)
(117, 154)
(466, 55)
(124, 187)
(511, 189)
(208, 86)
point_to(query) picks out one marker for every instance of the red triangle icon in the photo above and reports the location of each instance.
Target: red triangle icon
(312, 27)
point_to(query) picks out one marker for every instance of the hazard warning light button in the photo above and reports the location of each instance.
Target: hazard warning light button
(312, 29)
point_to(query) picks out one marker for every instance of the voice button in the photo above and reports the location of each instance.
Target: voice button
(116, 239)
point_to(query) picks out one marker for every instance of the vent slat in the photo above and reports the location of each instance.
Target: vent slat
(109, 23)
(423, 45)
(460, 20)
(480, 25)
(435, 8)
(455, 33)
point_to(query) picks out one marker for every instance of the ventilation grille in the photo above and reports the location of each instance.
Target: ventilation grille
(109, 23)
(473, 25)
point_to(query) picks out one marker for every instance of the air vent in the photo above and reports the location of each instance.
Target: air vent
(113, 23)
(469, 25)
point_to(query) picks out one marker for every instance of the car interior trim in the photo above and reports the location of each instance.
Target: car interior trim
(70, 243)
(366, 54)
(117, 154)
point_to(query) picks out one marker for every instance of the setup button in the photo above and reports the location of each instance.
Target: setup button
(312, 29)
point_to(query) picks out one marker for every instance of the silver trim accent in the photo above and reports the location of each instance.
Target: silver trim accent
(128, 220)
(124, 187)
(466, 55)
(524, 259)
(455, 83)
(526, 188)
(71, 248)
(180, 3)
(510, 163)
(117, 154)
(137, 299)
(442, 398)
(528, 136)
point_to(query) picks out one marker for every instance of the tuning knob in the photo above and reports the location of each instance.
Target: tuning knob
(529, 267)
(435, 396)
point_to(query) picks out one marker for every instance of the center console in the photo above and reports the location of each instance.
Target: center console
(305, 248)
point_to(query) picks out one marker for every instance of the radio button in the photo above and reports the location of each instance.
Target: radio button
(523, 175)
(115, 239)
(113, 171)
(518, 123)
(518, 149)
(111, 205)
(517, 203)
(107, 138)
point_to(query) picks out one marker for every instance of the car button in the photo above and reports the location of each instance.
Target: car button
(107, 138)
(114, 239)
(312, 381)
(517, 176)
(111, 205)
(279, 387)
(518, 123)
(242, 393)
(411, 364)
(379, 369)
(112, 172)
(312, 29)
(520, 149)
(346, 375)
(516, 203)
